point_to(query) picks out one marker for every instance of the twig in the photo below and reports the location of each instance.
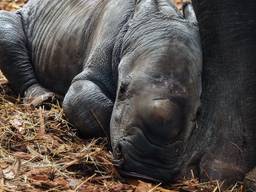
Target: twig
(82, 183)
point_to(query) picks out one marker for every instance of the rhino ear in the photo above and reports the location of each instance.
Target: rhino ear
(165, 6)
(189, 13)
(145, 6)
(168, 7)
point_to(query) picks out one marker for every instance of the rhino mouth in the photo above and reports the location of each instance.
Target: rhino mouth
(118, 163)
(136, 157)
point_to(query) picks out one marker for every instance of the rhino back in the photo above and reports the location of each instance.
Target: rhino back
(63, 36)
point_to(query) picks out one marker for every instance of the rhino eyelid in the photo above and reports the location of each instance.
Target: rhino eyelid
(160, 98)
(123, 88)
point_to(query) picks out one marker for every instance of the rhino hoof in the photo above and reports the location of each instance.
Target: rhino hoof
(41, 100)
(37, 96)
(223, 171)
(222, 168)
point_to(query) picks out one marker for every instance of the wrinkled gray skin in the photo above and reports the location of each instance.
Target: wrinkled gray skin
(226, 127)
(140, 58)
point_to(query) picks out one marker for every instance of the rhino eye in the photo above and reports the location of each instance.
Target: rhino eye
(123, 88)
(123, 91)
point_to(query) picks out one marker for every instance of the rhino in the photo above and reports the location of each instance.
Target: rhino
(129, 70)
(223, 146)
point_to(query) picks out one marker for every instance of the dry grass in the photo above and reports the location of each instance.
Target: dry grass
(39, 151)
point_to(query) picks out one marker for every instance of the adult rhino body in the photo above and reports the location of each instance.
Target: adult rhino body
(141, 59)
(227, 131)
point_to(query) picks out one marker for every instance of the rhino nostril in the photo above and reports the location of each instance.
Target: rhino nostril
(118, 151)
(118, 161)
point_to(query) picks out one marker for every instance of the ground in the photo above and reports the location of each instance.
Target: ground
(39, 151)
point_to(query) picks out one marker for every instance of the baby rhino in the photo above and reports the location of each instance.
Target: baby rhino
(126, 68)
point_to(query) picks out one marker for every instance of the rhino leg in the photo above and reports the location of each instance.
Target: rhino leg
(88, 108)
(15, 62)
(14, 59)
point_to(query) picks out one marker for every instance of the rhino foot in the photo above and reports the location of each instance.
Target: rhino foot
(36, 96)
(224, 163)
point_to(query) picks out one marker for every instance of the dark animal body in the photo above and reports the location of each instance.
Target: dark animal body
(128, 69)
(227, 122)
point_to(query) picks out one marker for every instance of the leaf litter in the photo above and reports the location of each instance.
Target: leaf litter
(40, 151)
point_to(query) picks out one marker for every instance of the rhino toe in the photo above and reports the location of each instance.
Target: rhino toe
(36, 96)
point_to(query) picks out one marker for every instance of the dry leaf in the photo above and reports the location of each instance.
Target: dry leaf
(22, 155)
(121, 187)
(51, 184)
(73, 183)
(45, 178)
(11, 172)
(16, 122)
(143, 187)
(40, 173)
